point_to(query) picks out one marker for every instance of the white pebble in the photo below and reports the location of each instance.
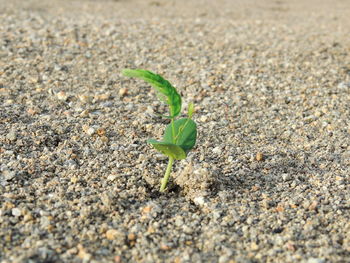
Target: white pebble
(16, 212)
(199, 200)
(11, 136)
(111, 177)
(9, 175)
(90, 131)
(62, 96)
(315, 260)
(217, 150)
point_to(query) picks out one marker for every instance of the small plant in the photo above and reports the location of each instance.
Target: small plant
(180, 135)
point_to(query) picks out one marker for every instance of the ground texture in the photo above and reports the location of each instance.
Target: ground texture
(268, 180)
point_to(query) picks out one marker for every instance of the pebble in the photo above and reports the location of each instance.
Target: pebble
(199, 200)
(112, 177)
(123, 92)
(286, 177)
(83, 254)
(85, 98)
(131, 237)
(112, 234)
(9, 175)
(62, 96)
(11, 136)
(217, 150)
(259, 156)
(89, 130)
(16, 212)
(315, 260)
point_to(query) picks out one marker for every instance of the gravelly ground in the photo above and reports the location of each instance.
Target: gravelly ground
(269, 178)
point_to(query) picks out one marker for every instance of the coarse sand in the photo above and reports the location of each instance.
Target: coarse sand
(269, 178)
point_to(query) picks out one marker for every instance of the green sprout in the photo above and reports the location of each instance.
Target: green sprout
(180, 135)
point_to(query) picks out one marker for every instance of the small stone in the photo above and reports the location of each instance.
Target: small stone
(259, 156)
(104, 139)
(82, 254)
(8, 205)
(8, 238)
(151, 230)
(131, 237)
(101, 131)
(50, 228)
(84, 113)
(88, 130)
(16, 212)
(290, 246)
(123, 92)
(280, 208)
(316, 260)
(146, 210)
(199, 200)
(255, 188)
(71, 164)
(250, 220)
(306, 204)
(343, 85)
(27, 218)
(254, 246)
(313, 205)
(101, 97)
(187, 229)
(217, 150)
(106, 199)
(11, 136)
(111, 177)
(74, 179)
(117, 259)
(111, 234)
(165, 247)
(62, 96)
(179, 221)
(9, 175)
(31, 111)
(223, 259)
(72, 251)
(45, 221)
(203, 119)
(286, 177)
(318, 114)
(84, 98)
(292, 205)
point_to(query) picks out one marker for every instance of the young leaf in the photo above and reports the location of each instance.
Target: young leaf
(168, 93)
(185, 133)
(168, 149)
(190, 110)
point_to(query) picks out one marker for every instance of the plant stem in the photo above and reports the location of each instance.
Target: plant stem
(167, 174)
(173, 130)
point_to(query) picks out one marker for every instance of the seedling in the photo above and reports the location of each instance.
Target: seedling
(180, 135)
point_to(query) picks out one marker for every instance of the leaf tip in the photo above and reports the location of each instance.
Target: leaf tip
(127, 72)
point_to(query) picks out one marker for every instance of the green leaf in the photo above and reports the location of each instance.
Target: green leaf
(168, 93)
(185, 133)
(190, 110)
(168, 149)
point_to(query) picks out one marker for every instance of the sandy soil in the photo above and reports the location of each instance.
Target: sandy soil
(268, 180)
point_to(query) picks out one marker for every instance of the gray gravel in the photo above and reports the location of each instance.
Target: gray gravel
(269, 178)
